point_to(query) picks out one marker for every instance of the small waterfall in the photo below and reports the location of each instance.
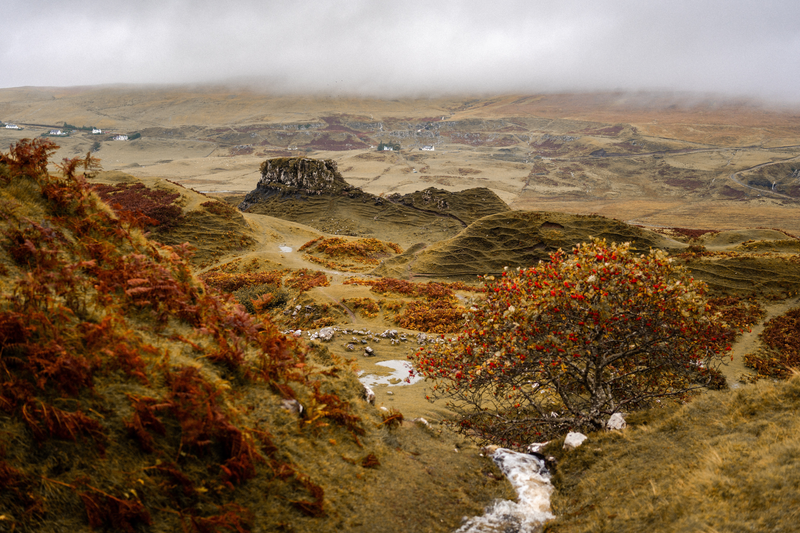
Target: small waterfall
(530, 478)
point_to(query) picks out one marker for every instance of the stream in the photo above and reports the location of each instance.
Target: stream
(530, 478)
(526, 472)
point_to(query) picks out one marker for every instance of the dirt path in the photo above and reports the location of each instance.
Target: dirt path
(748, 342)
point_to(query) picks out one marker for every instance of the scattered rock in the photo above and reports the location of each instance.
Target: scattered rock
(573, 440)
(298, 333)
(369, 395)
(536, 447)
(616, 422)
(325, 334)
(422, 422)
(369, 352)
(350, 347)
(293, 406)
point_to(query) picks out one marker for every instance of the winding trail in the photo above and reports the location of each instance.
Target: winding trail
(763, 191)
(748, 342)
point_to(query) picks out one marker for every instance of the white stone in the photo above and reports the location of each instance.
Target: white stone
(298, 333)
(421, 421)
(616, 422)
(536, 447)
(573, 440)
(325, 334)
(369, 395)
(293, 406)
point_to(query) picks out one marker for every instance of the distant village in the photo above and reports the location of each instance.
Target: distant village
(67, 130)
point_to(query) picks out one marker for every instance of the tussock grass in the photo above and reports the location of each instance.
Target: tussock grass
(729, 461)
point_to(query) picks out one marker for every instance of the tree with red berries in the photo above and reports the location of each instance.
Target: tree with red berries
(567, 343)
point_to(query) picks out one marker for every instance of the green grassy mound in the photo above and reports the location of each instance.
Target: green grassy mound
(135, 398)
(516, 239)
(727, 239)
(467, 206)
(727, 461)
(763, 275)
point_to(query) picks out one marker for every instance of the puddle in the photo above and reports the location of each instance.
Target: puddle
(401, 370)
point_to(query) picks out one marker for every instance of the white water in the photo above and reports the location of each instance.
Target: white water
(285, 248)
(401, 371)
(530, 478)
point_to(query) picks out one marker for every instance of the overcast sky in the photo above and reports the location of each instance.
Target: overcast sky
(375, 47)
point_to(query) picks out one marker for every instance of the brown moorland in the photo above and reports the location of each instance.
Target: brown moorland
(713, 182)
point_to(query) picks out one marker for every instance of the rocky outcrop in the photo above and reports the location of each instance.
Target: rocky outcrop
(293, 175)
(313, 192)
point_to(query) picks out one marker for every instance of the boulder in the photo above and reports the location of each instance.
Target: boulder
(616, 422)
(536, 447)
(573, 440)
(325, 334)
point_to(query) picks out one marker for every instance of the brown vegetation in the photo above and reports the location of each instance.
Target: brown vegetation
(779, 357)
(85, 316)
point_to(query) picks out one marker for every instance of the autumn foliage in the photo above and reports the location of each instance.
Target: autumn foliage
(110, 344)
(434, 308)
(155, 207)
(565, 344)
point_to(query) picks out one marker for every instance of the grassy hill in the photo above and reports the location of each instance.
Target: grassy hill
(136, 398)
(728, 461)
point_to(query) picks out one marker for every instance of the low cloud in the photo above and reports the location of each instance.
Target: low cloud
(409, 48)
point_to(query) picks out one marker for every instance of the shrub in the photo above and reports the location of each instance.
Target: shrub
(564, 345)
(305, 279)
(155, 207)
(366, 306)
(437, 316)
(269, 297)
(232, 282)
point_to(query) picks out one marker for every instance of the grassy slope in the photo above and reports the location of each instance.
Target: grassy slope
(133, 398)
(729, 461)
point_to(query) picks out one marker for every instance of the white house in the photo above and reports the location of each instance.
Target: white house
(96, 131)
(120, 137)
(427, 148)
(57, 132)
(12, 127)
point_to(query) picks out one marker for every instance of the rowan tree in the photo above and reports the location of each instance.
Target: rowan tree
(567, 343)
